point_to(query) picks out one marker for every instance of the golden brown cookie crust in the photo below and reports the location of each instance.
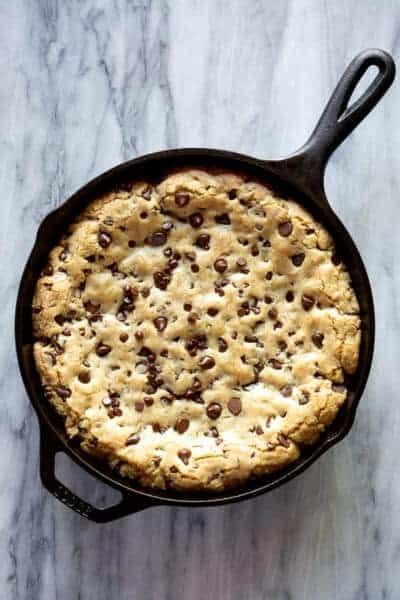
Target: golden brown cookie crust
(195, 333)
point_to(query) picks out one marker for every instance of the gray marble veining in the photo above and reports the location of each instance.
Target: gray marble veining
(87, 84)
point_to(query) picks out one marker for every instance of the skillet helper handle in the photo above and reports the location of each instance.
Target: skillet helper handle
(339, 119)
(49, 447)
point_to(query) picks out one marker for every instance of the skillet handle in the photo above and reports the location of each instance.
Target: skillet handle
(338, 119)
(49, 447)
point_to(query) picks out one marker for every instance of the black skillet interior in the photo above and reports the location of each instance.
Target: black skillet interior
(300, 176)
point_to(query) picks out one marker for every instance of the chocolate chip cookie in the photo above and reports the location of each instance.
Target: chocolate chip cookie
(196, 332)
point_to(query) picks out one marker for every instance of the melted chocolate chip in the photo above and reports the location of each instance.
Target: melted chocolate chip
(220, 265)
(285, 228)
(157, 238)
(102, 349)
(139, 406)
(235, 406)
(222, 345)
(307, 302)
(182, 425)
(62, 391)
(203, 241)
(297, 259)
(105, 239)
(196, 220)
(214, 410)
(160, 323)
(206, 362)
(132, 439)
(212, 311)
(161, 279)
(223, 219)
(275, 363)
(182, 199)
(184, 454)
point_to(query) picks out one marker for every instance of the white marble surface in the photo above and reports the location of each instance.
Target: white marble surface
(87, 84)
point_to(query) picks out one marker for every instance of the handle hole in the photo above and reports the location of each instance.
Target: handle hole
(366, 81)
(82, 484)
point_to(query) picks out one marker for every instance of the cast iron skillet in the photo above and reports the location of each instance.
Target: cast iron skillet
(301, 175)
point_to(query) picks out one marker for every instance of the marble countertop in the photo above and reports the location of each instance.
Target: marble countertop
(86, 85)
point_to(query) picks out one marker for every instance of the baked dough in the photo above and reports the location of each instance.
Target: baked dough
(197, 332)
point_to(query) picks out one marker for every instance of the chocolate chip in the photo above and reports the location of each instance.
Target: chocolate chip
(148, 401)
(282, 439)
(297, 259)
(105, 239)
(206, 362)
(268, 276)
(275, 363)
(214, 410)
(157, 238)
(139, 335)
(147, 192)
(160, 323)
(114, 412)
(273, 313)
(304, 398)
(212, 311)
(196, 220)
(131, 243)
(187, 307)
(194, 268)
(182, 199)
(143, 215)
(139, 406)
(91, 306)
(203, 241)
(241, 262)
(222, 345)
(223, 219)
(62, 391)
(235, 406)
(124, 337)
(47, 271)
(307, 302)
(318, 339)
(243, 311)
(287, 391)
(132, 439)
(161, 279)
(102, 349)
(285, 228)
(84, 377)
(182, 425)
(220, 265)
(232, 194)
(193, 317)
(339, 388)
(336, 259)
(184, 455)
(289, 296)
(254, 251)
